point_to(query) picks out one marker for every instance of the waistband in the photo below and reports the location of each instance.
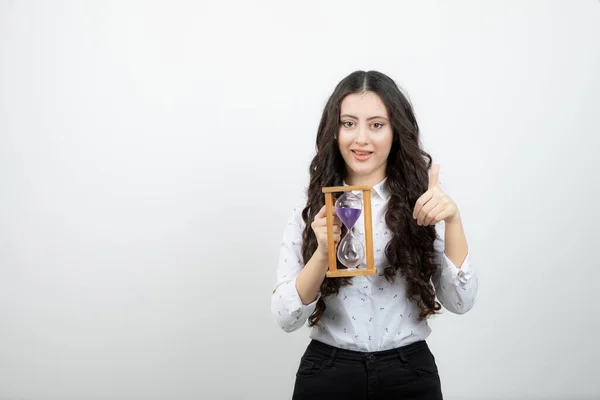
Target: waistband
(337, 353)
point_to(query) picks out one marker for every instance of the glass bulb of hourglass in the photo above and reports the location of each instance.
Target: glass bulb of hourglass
(350, 250)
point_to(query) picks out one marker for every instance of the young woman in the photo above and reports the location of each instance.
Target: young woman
(368, 333)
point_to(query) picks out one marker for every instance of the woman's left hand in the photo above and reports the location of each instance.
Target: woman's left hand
(435, 205)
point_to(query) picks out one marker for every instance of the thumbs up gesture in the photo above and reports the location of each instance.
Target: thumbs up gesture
(435, 205)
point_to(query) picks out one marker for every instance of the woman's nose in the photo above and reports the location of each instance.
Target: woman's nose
(362, 136)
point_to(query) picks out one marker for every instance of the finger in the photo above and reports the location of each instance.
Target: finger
(322, 213)
(321, 232)
(336, 232)
(434, 176)
(322, 238)
(430, 205)
(445, 213)
(430, 218)
(425, 197)
(322, 222)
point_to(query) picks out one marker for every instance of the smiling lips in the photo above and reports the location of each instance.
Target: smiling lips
(362, 155)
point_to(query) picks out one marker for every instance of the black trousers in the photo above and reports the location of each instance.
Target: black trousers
(327, 372)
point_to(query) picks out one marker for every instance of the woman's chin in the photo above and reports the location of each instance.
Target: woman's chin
(365, 170)
(363, 173)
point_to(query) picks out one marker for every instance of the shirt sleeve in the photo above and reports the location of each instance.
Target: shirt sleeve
(286, 306)
(456, 288)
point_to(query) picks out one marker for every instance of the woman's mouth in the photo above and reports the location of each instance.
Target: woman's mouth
(362, 155)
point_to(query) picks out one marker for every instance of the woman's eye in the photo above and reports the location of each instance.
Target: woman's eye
(377, 125)
(347, 124)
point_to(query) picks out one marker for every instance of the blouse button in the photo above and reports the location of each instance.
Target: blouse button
(462, 277)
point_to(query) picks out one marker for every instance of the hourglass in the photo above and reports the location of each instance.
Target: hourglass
(350, 250)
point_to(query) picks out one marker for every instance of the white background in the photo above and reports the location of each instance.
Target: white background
(151, 153)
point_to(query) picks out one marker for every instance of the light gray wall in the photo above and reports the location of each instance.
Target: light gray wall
(151, 153)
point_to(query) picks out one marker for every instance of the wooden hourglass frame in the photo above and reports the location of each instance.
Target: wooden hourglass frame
(332, 271)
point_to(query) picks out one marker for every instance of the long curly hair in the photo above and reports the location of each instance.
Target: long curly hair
(410, 248)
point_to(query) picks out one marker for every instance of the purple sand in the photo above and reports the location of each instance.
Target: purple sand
(348, 216)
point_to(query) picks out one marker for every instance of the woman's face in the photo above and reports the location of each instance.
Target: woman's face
(364, 137)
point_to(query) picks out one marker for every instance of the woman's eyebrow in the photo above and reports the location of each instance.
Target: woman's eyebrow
(368, 119)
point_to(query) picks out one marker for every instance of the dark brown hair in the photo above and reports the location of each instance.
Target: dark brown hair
(410, 249)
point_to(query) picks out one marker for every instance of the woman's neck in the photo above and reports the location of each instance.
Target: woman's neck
(364, 180)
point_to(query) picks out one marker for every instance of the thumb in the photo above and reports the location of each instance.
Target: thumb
(323, 211)
(434, 176)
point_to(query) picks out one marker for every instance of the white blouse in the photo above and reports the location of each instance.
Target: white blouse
(371, 314)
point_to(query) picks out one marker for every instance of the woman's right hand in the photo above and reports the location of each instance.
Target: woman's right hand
(319, 227)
